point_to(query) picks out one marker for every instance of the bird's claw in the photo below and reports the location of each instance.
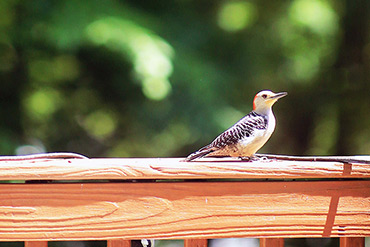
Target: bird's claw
(254, 158)
(247, 158)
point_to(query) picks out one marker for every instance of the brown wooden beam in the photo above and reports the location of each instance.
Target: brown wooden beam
(352, 242)
(36, 244)
(118, 243)
(195, 243)
(180, 210)
(271, 242)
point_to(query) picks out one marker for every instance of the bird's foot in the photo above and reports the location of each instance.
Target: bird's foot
(247, 158)
(253, 158)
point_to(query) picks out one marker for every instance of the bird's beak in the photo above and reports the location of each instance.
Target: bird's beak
(272, 99)
(278, 95)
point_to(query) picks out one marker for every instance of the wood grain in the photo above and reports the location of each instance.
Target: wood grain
(186, 210)
(352, 242)
(271, 242)
(175, 168)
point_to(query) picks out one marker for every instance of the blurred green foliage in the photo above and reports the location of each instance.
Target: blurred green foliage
(163, 78)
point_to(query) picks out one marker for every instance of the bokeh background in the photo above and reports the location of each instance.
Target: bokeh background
(162, 78)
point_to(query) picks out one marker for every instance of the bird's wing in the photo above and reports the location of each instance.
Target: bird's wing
(200, 153)
(245, 127)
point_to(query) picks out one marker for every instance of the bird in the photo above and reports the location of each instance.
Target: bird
(249, 134)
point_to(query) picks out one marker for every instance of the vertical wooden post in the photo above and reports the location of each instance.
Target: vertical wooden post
(195, 243)
(36, 244)
(352, 242)
(271, 242)
(118, 243)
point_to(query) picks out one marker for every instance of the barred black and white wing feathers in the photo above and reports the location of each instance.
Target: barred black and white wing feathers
(245, 128)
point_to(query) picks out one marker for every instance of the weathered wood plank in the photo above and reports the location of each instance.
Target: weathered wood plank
(175, 168)
(195, 243)
(184, 210)
(271, 242)
(118, 243)
(352, 242)
(36, 244)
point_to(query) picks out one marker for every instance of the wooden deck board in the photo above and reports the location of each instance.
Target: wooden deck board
(175, 168)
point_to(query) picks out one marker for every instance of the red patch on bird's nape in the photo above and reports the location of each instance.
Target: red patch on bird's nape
(254, 102)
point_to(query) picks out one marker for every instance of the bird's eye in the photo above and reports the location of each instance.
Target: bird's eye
(264, 96)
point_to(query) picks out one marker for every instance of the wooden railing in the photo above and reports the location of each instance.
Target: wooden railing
(123, 199)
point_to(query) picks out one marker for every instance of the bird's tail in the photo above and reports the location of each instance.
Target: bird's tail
(198, 154)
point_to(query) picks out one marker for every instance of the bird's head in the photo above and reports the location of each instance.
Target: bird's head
(264, 100)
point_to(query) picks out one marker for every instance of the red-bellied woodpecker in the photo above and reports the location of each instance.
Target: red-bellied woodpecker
(249, 134)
